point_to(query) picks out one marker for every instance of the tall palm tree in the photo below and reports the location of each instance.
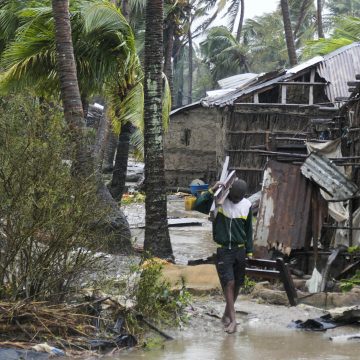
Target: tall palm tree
(288, 32)
(69, 88)
(30, 62)
(157, 239)
(319, 19)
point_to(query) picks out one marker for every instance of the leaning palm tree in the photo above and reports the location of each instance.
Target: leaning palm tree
(106, 61)
(69, 88)
(157, 239)
(224, 55)
(347, 31)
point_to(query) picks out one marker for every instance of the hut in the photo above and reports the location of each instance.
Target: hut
(264, 113)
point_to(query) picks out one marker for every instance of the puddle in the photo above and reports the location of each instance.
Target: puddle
(251, 344)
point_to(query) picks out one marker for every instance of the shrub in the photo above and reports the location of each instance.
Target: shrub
(47, 236)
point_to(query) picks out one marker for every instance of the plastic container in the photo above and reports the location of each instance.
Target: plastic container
(189, 202)
(197, 189)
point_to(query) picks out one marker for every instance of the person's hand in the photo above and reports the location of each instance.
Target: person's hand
(217, 186)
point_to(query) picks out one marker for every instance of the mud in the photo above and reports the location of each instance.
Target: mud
(263, 331)
(262, 334)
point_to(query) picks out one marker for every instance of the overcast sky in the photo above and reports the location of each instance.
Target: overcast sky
(259, 7)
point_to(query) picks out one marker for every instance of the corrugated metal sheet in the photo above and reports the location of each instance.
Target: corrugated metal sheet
(283, 216)
(338, 68)
(307, 64)
(231, 97)
(237, 81)
(321, 170)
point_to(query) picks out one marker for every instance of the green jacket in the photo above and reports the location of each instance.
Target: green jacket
(233, 223)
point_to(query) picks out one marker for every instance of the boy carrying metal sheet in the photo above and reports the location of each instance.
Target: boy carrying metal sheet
(232, 231)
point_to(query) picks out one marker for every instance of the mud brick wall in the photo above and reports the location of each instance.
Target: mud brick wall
(190, 147)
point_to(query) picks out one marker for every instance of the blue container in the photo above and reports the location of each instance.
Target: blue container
(197, 189)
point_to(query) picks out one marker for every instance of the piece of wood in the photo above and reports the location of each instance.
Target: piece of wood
(311, 88)
(223, 176)
(256, 98)
(353, 83)
(283, 94)
(222, 193)
(303, 83)
(287, 281)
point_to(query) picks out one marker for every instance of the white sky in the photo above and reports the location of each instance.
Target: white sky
(259, 7)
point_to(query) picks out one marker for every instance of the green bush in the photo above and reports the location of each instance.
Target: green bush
(348, 284)
(154, 297)
(47, 217)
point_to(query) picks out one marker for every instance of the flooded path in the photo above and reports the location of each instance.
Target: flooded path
(253, 342)
(262, 331)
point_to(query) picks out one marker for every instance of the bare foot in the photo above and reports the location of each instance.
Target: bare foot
(225, 320)
(231, 328)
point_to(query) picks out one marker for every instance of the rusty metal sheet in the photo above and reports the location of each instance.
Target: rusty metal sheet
(283, 216)
(327, 175)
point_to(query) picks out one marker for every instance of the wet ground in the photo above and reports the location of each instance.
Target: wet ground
(262, 332)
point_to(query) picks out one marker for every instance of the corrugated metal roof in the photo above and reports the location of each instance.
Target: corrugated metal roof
(338, 68)
(284, 209)
(326, 174)
(186, 107)
(237, 81)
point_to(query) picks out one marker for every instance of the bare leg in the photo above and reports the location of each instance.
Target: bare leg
(226, 316)
(230, 309)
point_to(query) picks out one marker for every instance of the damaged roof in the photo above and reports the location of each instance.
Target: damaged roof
(327, 175)
(336, 68)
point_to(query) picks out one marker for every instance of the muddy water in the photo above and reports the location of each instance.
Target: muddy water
(262, 335)
(188, 242)
(252, 344)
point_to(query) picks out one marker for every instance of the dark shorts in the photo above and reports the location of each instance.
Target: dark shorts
(230, 265)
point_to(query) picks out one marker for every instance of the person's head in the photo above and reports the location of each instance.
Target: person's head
(237, 191)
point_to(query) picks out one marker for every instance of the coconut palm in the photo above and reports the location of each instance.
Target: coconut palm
(105, 58)
(289, 36)
(66, 68)
(157, 239)
(347, 31)
(224, 55)
(344, 7)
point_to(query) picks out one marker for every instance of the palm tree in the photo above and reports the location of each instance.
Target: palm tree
(347, 31)
(157, 239)
(319, 19)
(288, 32)
(69, 88)
(344, 7)
(224, 55)
(105, 55)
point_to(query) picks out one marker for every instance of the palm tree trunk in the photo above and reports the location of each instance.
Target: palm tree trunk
(69, 88)
(111, 142)
(117, 186)
(288, 32)
(303, 10)
(319, 20)
(74, 116)
(190, 66)
(241, 21)
(125, 8)
(168, 69)
(157, 239)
